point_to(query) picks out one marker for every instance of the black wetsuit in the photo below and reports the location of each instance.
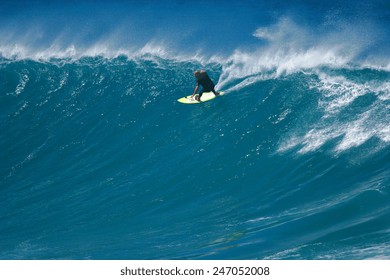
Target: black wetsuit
(207, 84)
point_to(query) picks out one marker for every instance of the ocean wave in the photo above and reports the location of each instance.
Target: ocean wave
(96, 147)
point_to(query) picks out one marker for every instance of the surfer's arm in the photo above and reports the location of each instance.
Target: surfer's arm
(195, 90)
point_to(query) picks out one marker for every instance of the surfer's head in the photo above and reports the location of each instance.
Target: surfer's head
(196, 73)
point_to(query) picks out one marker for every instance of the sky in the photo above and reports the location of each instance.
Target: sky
(179, 25)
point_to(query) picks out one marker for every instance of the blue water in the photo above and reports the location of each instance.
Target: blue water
(99, 160)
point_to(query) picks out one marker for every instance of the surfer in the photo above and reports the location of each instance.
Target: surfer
(207, 84)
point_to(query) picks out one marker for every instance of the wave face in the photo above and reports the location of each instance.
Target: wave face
(99, 160)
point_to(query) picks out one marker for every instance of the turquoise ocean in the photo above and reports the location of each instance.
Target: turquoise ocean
(100, 161)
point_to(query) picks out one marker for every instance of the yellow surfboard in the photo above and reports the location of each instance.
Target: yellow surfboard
(205, 97)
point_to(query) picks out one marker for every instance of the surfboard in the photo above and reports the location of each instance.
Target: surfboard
(205, 97)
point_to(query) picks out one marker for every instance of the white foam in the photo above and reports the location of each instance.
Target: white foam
(351, 126)
(72, 52)
(285, 48)
(355, 133)
(273, 63)
(316, 138)
(372, 123)
(288, 48)
(24, 78)
(338, 92)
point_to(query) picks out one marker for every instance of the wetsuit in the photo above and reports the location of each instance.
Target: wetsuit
(207, 84)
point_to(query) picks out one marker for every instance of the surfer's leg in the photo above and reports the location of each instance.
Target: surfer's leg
(199, 95)
(216, 93)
